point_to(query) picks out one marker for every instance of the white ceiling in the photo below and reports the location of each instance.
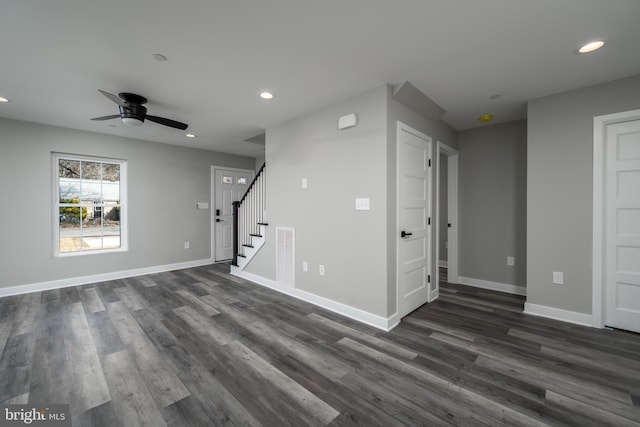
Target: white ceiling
(55, 55)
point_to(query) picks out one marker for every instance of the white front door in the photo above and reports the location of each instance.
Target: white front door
(230, 186)
(622, 214)
(414, 211)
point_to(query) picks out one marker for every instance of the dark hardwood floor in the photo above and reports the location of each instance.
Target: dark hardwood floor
(200, 347)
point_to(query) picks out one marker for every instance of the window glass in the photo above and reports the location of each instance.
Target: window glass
(88, 205)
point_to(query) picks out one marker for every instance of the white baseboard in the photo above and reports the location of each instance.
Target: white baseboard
(443, 264)
(494, 286)
(103, 277)
(386, 324)
(558, 314)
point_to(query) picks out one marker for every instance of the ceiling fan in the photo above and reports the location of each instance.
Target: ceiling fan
(132, 112)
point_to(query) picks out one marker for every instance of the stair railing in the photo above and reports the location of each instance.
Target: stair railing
(248, 214)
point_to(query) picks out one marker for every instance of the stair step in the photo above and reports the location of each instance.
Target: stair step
(255, 235)
(241, 255)
(262, 223)
(247, 246)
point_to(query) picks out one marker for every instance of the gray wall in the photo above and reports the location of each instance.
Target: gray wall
(444, 229)
(493, 188)
(339, 166)
(559, 199)
(164, 183)
(357, 248)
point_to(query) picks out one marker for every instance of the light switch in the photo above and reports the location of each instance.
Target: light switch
(202, 205)
(362, 204)
(304, 182)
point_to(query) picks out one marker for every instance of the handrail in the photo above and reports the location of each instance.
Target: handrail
(253, 182)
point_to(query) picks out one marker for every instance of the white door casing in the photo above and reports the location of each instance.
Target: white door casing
(622, 225)
(414, 212)
(229, 185)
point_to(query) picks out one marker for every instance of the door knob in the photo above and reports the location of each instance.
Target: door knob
(218, 220)
(405, 234)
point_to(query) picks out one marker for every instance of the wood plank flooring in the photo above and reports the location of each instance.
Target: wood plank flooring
(199, 347)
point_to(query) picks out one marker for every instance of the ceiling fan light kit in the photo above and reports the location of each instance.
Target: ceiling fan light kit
(133, 112)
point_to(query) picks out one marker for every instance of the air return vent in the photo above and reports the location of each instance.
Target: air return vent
(285, 255)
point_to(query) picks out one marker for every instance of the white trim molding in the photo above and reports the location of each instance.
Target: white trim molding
(386, 324)
(600, 124)
(558, 314)
(96, 278)
(494, 286)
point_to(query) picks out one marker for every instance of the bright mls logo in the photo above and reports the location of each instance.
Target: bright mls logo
(35, 415)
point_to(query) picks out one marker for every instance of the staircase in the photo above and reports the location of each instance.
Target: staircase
(249, 221)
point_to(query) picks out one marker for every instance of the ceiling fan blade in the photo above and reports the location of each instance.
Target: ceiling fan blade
(114, 98)
(167, 122)
(115, 116)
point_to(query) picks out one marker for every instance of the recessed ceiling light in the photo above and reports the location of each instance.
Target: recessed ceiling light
(190, 135)
(486, 118)
(266, 95)
(159, 57)
(3, 99)
(591, 46)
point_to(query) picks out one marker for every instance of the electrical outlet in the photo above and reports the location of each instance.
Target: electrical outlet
(321, 270)
(187, 245)
(511, 260)
(305, 266)
(558, 278)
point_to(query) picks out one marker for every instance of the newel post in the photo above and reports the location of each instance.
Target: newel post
(236, 205)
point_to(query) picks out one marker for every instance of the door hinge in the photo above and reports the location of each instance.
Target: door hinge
(429, 221)
(429, 278)
(429, 162)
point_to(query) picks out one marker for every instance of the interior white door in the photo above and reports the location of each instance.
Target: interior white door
(623, 226)
(414, 211)
(230, 186)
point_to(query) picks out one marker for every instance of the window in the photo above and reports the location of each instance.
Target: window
(89, 212)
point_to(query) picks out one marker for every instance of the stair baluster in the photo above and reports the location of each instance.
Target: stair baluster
(248, 215)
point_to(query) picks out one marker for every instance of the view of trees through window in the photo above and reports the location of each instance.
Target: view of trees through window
(88, 204)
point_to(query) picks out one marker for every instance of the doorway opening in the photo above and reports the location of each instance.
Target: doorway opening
(616, 215)
(446, 223)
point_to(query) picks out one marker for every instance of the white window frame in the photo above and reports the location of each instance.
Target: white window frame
(55, 208)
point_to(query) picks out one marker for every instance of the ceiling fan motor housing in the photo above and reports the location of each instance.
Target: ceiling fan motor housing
(133, 111)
